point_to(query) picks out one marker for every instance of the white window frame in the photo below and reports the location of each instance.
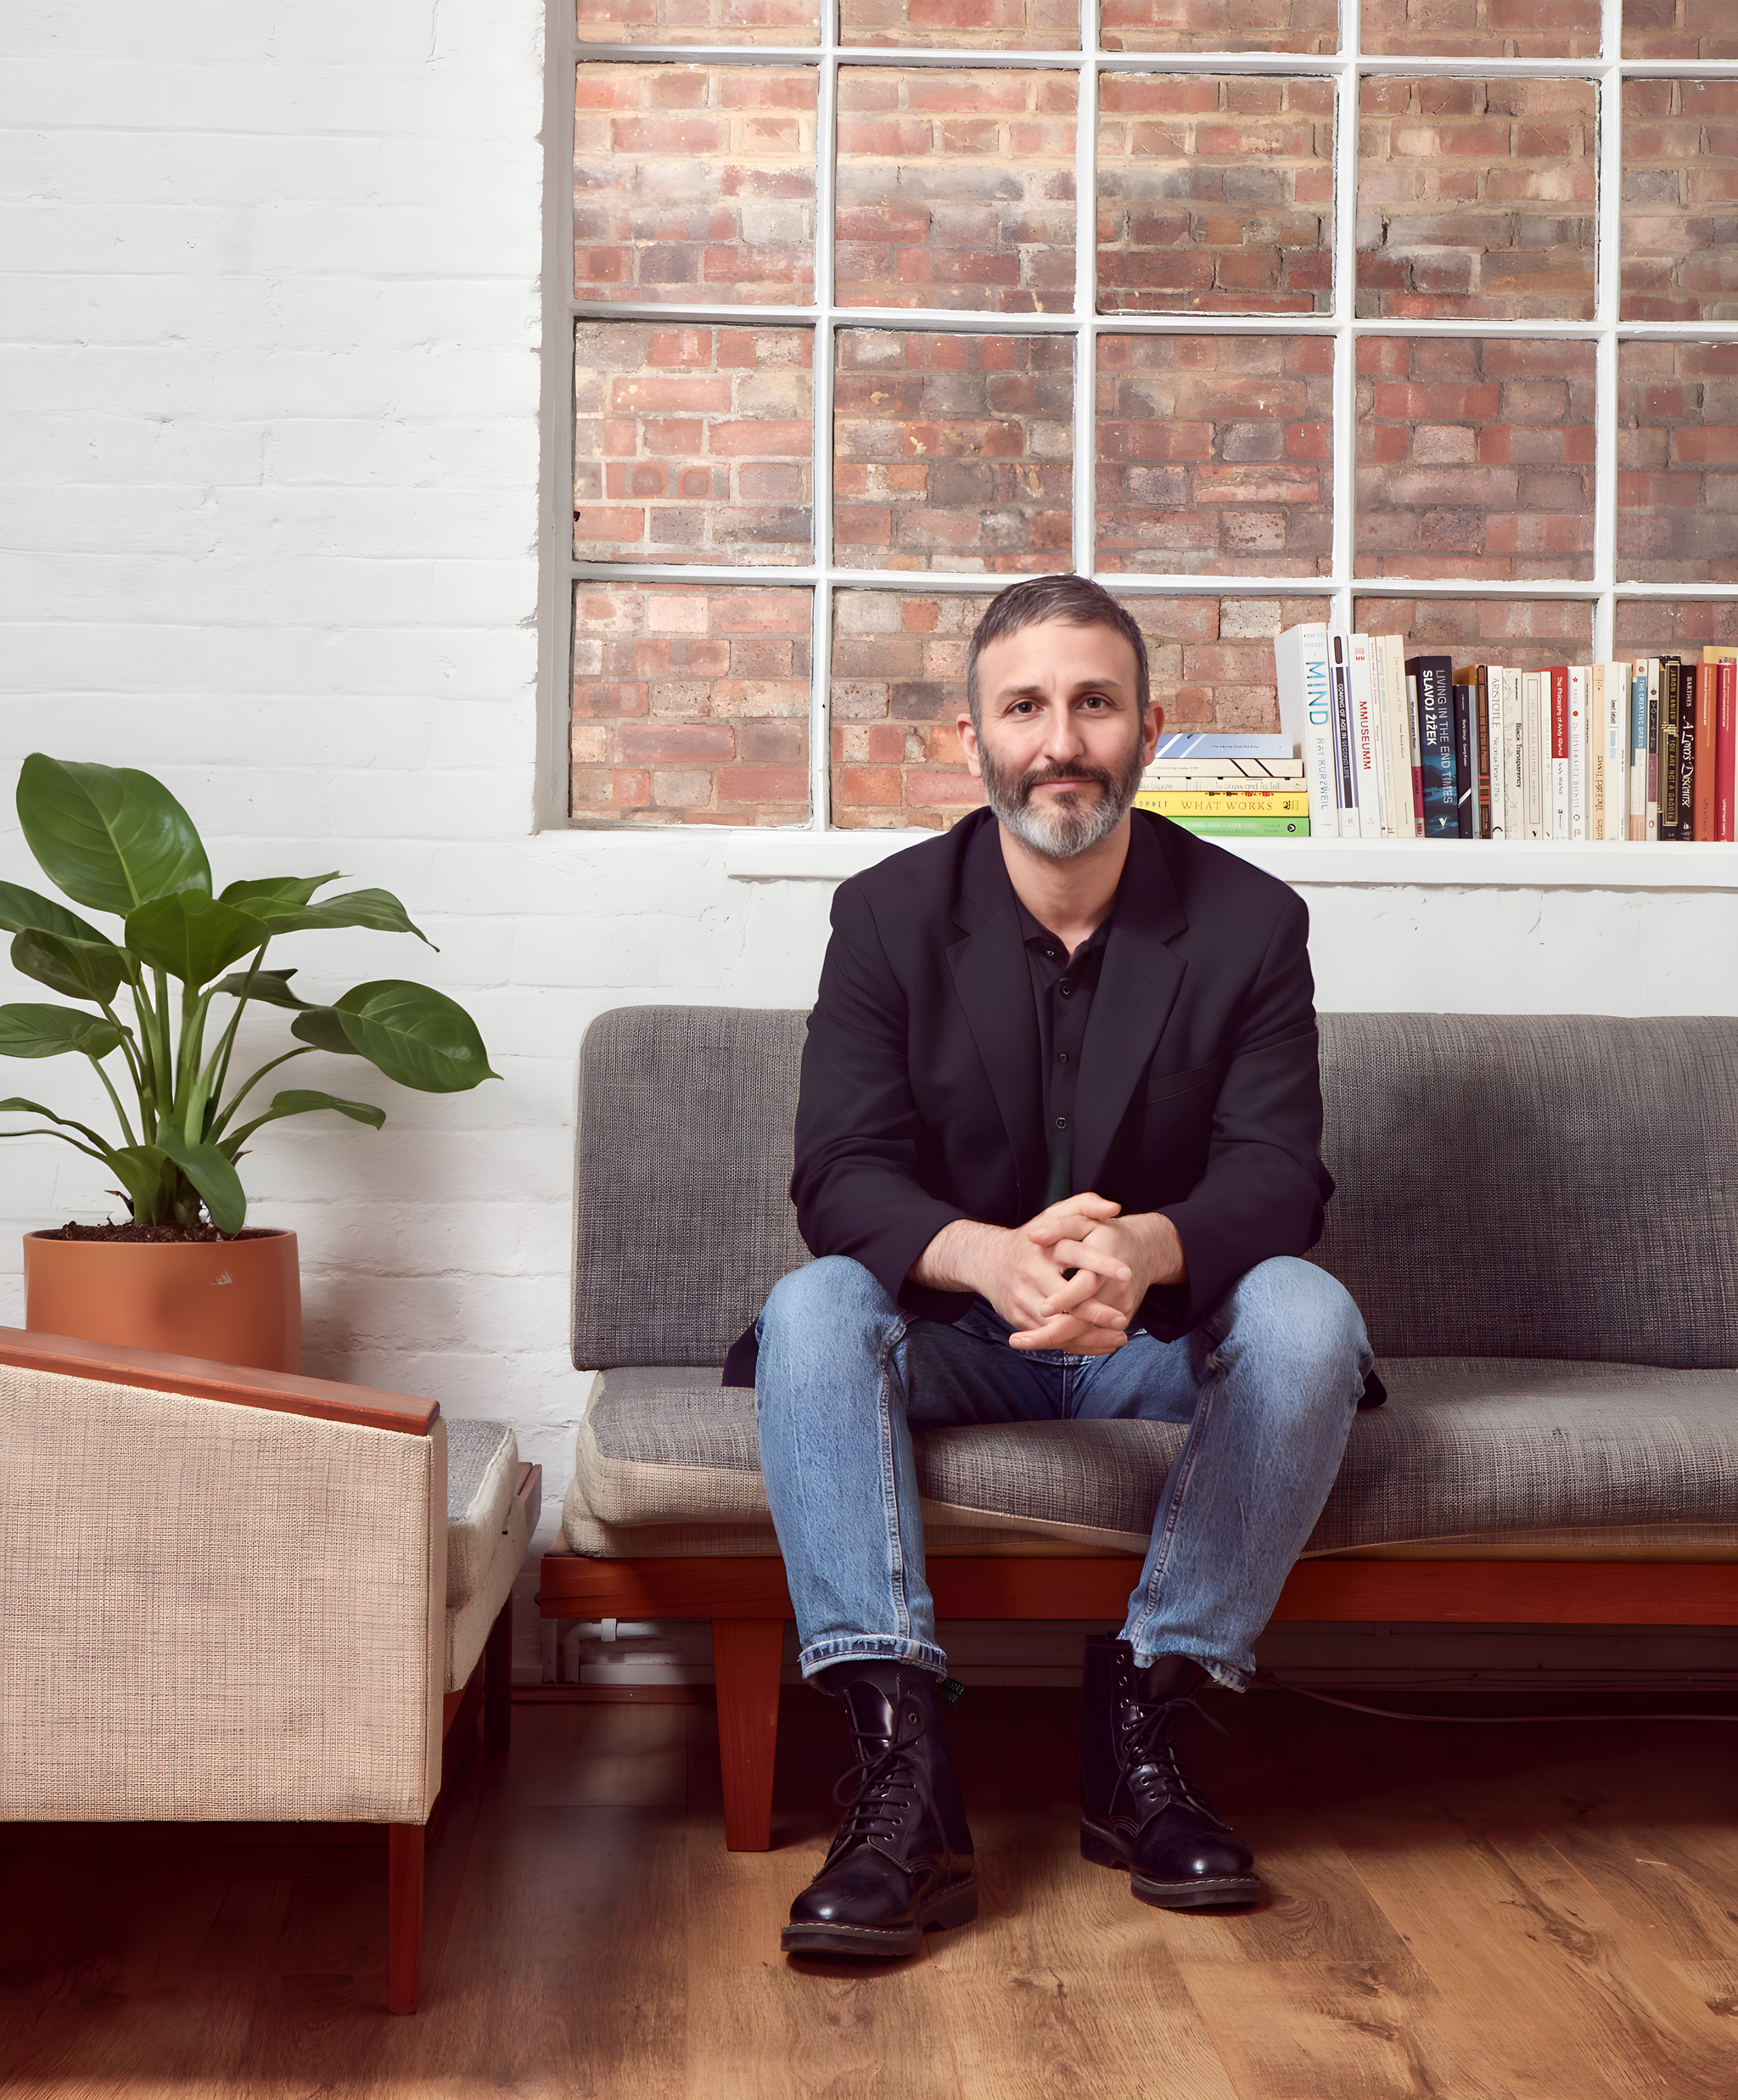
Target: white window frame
(825, 577)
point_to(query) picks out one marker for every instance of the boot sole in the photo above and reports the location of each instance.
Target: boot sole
(955, 1906)
(1104, 1849)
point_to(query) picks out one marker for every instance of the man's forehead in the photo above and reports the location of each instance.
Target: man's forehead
(1096, 652)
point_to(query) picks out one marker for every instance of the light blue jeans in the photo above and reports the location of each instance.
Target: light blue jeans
(1268, 1385)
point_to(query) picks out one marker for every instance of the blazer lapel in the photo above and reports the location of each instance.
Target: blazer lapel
(1138, 983)
(994, 982)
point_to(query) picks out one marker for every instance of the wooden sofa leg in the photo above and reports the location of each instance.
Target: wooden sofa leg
(746, 1657)
(404, 1916)
(498, 1682)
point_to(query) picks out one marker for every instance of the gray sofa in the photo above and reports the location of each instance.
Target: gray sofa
(1539, 1217)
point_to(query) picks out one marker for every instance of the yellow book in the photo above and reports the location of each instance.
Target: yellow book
(1177, 802)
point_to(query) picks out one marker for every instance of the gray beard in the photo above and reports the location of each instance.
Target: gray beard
(1075, 825)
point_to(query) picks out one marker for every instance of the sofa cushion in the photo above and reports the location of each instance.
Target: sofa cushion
(482, 1470)
(1531, 1455)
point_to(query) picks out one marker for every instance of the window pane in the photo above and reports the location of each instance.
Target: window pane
(1212, 658)
(1680, 193)
(1215, 195)
(899, 680)
(963, 24)
(1656, 627)
(1475, 457)
(691, 444)
(1214, 454)
(698, 21)
(953, 451)
(1494, 28)
(1476, 199)
(1678, 462)
(694, 184)
(690, 704)
(956, 190)
(1521, 634)
(1679, 29)
(1307, 26)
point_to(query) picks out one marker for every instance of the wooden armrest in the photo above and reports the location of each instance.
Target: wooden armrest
(280, 1392)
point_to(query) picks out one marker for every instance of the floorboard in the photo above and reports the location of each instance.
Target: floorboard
(1508, 1913)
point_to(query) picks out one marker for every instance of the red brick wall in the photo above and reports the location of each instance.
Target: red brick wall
(1679, 29)
(1680, 199)
(1215, 195)
(1656, 627)
(698, 21)
(899, 682)
(694, 183)
(1678, 462)
(1215, 454)
(956, 190)
(952, 451)
(1520, 634)
(963, 24)
(691, 444)
(691, 705)
(1483, 29)
(1477, 199)
(1475, 458)
(1307, 26)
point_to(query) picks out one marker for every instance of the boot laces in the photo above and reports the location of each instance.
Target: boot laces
(1153, 1767)
(886, 1785)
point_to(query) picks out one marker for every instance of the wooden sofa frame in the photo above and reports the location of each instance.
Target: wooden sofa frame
(749, 1604)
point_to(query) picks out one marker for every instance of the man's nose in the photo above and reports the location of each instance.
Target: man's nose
(1061, 735)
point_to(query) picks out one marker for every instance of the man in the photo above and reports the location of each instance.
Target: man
(1057, 1154)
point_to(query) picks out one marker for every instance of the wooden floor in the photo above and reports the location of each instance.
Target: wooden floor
(1546, 1913)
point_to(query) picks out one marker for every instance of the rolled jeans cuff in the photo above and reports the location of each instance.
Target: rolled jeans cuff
(865, 1648)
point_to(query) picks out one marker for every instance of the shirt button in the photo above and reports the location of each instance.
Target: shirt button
(1067, 990)
(1062, 1122)
(1062, 1057)
(1050, 952)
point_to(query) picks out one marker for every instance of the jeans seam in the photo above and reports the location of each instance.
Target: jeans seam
(889, 1484)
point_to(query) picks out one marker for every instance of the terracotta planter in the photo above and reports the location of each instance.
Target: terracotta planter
(233, 1301)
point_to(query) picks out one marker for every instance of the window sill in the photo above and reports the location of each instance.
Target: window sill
(1311, 863)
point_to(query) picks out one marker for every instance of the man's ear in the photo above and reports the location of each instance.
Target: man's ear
(968, 744)
(1150, 730)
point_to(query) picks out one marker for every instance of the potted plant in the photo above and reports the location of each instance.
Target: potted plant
(185, 1272)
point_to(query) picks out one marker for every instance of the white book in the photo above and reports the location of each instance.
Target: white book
(1578, 750)
(1494, 677)
(1534, 759)
(1307, 718)
(1616, 727)
(1514, 754)
(1595, 751)
(1367, 749)
(1391, 655)
(1554, 704)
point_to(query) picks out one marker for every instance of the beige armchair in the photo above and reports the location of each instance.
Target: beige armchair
(307, 1574)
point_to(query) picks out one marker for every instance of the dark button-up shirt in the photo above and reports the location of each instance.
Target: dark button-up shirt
(1062, 989)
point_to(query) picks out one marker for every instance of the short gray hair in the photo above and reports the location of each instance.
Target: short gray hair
(1075, 601)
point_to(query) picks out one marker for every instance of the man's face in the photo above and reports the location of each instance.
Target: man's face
(1062, 743)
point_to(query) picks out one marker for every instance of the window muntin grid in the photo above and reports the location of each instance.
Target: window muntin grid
(1605, 593)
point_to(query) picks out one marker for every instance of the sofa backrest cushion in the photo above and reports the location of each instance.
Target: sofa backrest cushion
(1508, 1185)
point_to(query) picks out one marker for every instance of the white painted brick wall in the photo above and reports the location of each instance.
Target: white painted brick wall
(269, 398)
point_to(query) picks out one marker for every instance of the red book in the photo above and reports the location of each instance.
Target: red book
(1725, 751)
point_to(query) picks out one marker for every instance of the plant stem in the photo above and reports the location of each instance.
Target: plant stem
(108, 1087)
(242, 1092)
(217, 1070)
(90, 1149)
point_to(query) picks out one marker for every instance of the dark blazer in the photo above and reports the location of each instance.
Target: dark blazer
(1198, 1092)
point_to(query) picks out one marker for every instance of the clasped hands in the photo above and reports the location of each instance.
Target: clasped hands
(1072, 1277)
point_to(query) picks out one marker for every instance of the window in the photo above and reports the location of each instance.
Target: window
(872, 305)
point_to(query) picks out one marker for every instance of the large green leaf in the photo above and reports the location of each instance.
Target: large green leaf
(320, 1027)
(269, 987)
(50, 1031)
(76, 969)
(27, 910)
(108, 837)
(285, 893)
(304, 1101)
(191, 935)
(376, 910)
(212, 1174)
(419, 1037)
(149, 1176)
(17, 1105)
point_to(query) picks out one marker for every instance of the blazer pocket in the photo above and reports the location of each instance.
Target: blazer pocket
(1166, 1086)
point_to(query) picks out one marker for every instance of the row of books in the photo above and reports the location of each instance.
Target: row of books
(1398, 747)
(1228, 786)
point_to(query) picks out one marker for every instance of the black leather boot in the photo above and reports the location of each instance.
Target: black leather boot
(1139, 1810)
(901, 1864)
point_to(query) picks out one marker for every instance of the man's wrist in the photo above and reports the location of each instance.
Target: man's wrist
(1164, 1263)
(961, 1257)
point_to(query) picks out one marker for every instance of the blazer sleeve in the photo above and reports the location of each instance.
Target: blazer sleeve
(855, 1182)
(1265, 1188)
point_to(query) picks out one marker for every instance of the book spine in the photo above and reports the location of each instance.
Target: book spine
(1366, 735)
(1417, 756)
(1577, 751)
(1596, 751)
(1615, 730)
(1670, 739)
(1726, 754)
(1688, 682)
(1396, 740)
(1436, 745)
(1498, 753)
(1638, 752)
(1652, 831)
(1705, 817)
(1306, 715)
(1175, 802)
(1533, 754)
(1345, 740)
(1481, 728)
(1560, 750)
(1513, 754)
(1245, 827)
(1465, 764)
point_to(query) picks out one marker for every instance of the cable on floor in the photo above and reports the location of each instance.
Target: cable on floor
(1487, 1721)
